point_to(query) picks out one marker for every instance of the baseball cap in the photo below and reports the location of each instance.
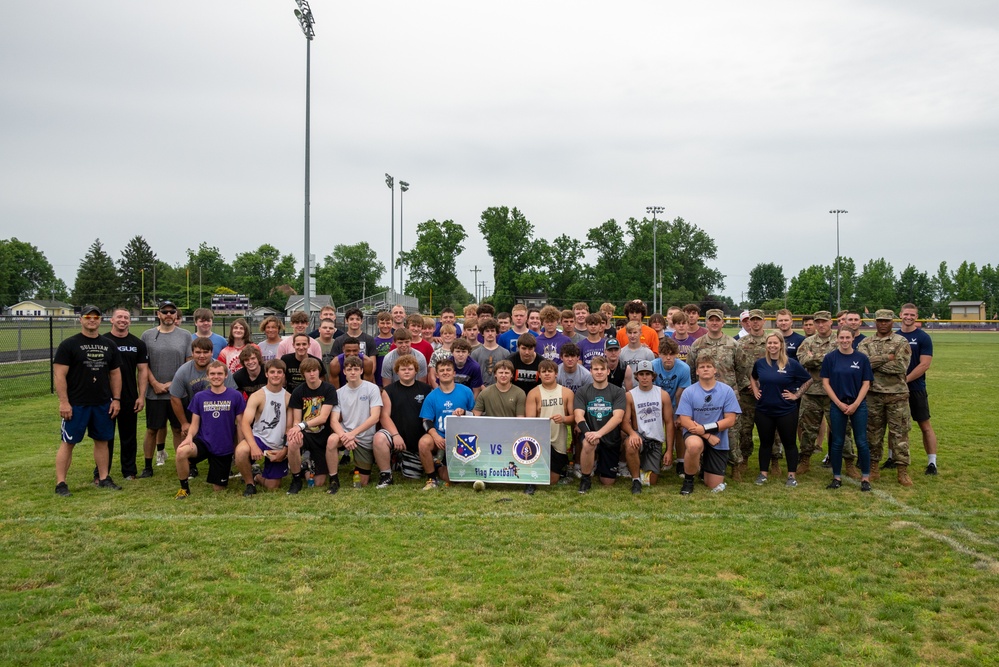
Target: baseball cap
(167, 304)
(744, 315)
(92, 309)
(644, 366)
(757, 313)
(715, 312)
(884, 314)
(822, 315)
(612, 344)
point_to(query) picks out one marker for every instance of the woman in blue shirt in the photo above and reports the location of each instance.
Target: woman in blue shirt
(778, 383)
(846, 376)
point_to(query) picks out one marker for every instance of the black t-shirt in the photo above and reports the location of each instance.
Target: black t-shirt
(598, 406)
(616, 376)
(90, 362)
(525, 375)
(293, 376)
(406, 405)
(132, 352)
(367, 342)
(245, 384)
(311, 402)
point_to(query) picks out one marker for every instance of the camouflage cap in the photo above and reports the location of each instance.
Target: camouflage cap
(822, 315)
(884, 314)
(715, 312)
(756, 313)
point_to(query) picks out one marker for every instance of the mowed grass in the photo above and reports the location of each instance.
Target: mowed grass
(753, 576)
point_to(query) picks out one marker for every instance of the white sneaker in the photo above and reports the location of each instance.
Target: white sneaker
(577, 472)
(646, 478)
(161, 457)
(719, 488)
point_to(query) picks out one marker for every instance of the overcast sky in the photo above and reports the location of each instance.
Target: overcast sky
(183, 121)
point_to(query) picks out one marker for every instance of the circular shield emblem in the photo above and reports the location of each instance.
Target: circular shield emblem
(526, 451)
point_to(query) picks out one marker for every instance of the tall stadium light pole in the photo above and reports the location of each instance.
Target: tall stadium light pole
(654, 210)
(837, 211)
(390, 182)
(306, 21)
(403, 187)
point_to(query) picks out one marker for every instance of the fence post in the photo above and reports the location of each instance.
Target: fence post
(51, 369)
(19, 344)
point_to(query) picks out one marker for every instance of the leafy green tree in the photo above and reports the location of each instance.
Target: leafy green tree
(914, 286)
(260, 272)
(350, 273)
(766, 282)
(990, 287)
(810, 291)
(847, 283)
(968, 283)
(943, 289)
(609, 245)
(690, 248)
(876, 286)
(432, 260)
(568, 279)
(136, 257)
(96, 279)
(214, 270)
(26, 273)
(510, 241)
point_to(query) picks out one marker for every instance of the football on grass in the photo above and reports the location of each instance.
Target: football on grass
(479, 485)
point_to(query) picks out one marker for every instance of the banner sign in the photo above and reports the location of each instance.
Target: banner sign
(499, 450)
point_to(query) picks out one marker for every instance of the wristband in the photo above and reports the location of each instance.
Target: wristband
(115, 398)
(302, 426)
(711, 428)
(583, 428)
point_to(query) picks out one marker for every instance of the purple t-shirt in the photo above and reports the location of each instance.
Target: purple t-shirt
(588, 350)
(218, 413)
(551, 348)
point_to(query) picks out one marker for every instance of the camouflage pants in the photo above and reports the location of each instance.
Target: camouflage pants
(813, 409)
(891, 412)
(744, 425)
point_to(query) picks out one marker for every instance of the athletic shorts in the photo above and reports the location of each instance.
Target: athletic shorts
(412, 468)
(88, 418)
(272, 469)
(364, 457)
(560, 463)
(315, 445)
(651, 456)
(218, 466)
(607, 460)
(158, 413)
(713, 460)
(919, 406)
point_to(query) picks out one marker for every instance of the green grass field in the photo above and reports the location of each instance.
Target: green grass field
(753, 576)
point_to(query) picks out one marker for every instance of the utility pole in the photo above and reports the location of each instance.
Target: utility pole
(475, 283)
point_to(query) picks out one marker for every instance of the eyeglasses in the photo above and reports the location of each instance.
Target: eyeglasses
(91, 317)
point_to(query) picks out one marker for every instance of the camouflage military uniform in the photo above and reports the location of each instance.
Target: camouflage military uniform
(888, 398)
(751, 348)
(815, 403)
(730, 369)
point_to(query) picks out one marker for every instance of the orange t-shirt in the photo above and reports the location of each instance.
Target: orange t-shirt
(649, 338)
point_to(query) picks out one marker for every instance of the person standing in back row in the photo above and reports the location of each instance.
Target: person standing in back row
(168, 347)
(921, 346)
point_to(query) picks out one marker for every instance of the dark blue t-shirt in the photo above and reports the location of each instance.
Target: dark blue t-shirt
(791, 343)
(846, 373)
(920, 343)
(773, 381)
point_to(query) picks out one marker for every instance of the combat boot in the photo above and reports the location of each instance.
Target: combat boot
(851, 470)
(738, 470)
(903, 475)
(875, 471)
(804, 465)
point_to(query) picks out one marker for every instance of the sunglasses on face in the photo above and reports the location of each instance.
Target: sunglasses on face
(169, 312)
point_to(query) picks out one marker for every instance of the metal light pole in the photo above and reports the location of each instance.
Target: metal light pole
(403, 187)
(654, 210)
(306, 21)
(837, 211)
(390, 182)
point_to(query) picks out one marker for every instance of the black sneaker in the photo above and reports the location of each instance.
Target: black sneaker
(865, 485)
(108, 483)
(678, 469)
(193, 472)
(345, 459)
(295, 486)
(334, 485)
(584, 484)
(146, 473)
(385, 480)
(835, 484)
(931, 469)
(636, 487)
(687, 488)
(62, 489)
(826, 463)
(888, 464)
(529, 489)
(250, 490)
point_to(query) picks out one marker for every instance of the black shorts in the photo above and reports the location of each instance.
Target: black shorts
(559, 463)
(218, 466)
(714, 461)
(158, 413)
(919, 406)
(315, 445)
(607, 460)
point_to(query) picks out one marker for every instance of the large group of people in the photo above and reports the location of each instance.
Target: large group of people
(660, 395)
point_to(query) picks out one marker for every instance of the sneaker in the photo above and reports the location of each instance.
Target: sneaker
(865, 485)
(295, 486)
(250, 490)
(97, 481)
(563, 480)
(622, 469)
(161, 457)
(888, 464)
(791, 482)
(636, 487)
(193, 472)
(931, 469)
(146, 473)
(530, 489)
(718, 489)
(825, 462)
(577, 472)
(255, 469)
(345, 459)
(130, 478)
(585, 483)
(646, 478)
(760, 480)
(835, 484)
(182, 494)
(108, 483)
(385, 480)
(62, 489)
(333, 486)
(432, 484)
(687, 488)
(678, 469)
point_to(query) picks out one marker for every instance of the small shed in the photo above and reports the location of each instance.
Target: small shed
(967, 311)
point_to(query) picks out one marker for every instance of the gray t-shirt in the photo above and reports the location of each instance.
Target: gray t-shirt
(354, 406)
(188, 381)
(631, 357)
(167, 353)
(389, 363)
(487, 360)
(575, 380)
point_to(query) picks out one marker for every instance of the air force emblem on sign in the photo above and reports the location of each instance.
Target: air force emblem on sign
(466, 447)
